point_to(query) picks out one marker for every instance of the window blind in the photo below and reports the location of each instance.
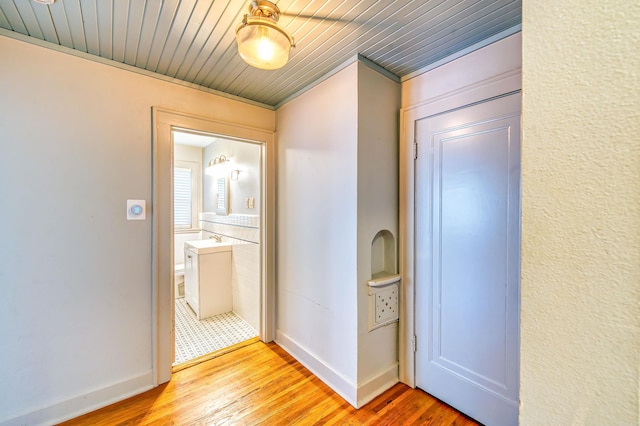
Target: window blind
(182, 197)
(222, 194)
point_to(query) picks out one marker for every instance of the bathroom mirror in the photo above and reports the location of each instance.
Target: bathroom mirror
(222, 196)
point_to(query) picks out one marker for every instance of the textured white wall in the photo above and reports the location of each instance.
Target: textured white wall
(580, 355)
(75, 143)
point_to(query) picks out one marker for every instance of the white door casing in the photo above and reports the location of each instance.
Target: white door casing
(467, 225)
(164, 121)
(448, 94)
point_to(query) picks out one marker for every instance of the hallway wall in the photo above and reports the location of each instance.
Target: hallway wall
(75, 144)
(317, 218)
(337, 188)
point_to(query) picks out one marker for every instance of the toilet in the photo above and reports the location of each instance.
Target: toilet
(178, 259)
(179, 280)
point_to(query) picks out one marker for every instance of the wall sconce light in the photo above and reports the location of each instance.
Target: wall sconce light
(262, 43)
(216, 161)
(234, 174)
(220, 159)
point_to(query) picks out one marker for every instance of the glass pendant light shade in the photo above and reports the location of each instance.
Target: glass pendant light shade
(261, 42)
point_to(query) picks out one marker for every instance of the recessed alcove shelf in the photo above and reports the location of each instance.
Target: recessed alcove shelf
(383, 279)
(383, 254)
(383, 286)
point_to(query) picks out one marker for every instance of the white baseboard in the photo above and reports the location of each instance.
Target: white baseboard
(336, 381)
(82, 404)
(354, 395)
(378, 384)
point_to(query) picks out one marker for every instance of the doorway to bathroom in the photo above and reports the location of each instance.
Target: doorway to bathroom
(236, 218)
(216, 222)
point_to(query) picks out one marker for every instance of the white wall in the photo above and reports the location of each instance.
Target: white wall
(187, 153)
(317, 218)
(378, 106)
(246, 282)
(337, 189)
(75, 313)
(580, 213)
(243, 156)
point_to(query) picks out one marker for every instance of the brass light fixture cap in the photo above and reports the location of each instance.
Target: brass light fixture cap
(264, 9)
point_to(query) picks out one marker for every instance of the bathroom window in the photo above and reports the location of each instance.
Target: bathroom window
(185, 195)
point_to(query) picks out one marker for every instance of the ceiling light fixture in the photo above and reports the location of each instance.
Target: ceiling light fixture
(262, 43)
(45, 1)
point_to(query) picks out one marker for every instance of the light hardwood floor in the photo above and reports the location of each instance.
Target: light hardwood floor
(261, 384)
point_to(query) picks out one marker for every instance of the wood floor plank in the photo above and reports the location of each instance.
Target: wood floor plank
(260, 384)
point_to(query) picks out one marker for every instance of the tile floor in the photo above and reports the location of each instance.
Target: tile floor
(196, 338)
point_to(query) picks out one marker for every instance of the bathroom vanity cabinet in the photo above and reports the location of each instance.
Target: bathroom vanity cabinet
(207, 277)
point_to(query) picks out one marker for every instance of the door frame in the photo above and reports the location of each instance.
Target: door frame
(497, 84)
(164, 121)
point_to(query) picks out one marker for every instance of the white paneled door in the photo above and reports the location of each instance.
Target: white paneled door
(468, 258)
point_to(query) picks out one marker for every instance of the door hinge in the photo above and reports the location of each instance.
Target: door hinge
(414, 342)
(415, 150)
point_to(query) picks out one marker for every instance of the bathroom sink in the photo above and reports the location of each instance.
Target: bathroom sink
(207, 246)
(207, 277)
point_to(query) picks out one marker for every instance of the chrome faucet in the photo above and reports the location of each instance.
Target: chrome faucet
(218, 238)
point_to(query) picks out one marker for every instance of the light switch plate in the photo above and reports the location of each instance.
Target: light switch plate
(136, 210)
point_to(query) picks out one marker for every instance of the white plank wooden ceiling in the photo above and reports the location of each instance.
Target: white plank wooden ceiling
(194, 40)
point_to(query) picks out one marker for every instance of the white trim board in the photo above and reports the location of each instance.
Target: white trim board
(356, 395)
(377, 384)
(497, 37)
(340, 384)
(75, 406)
